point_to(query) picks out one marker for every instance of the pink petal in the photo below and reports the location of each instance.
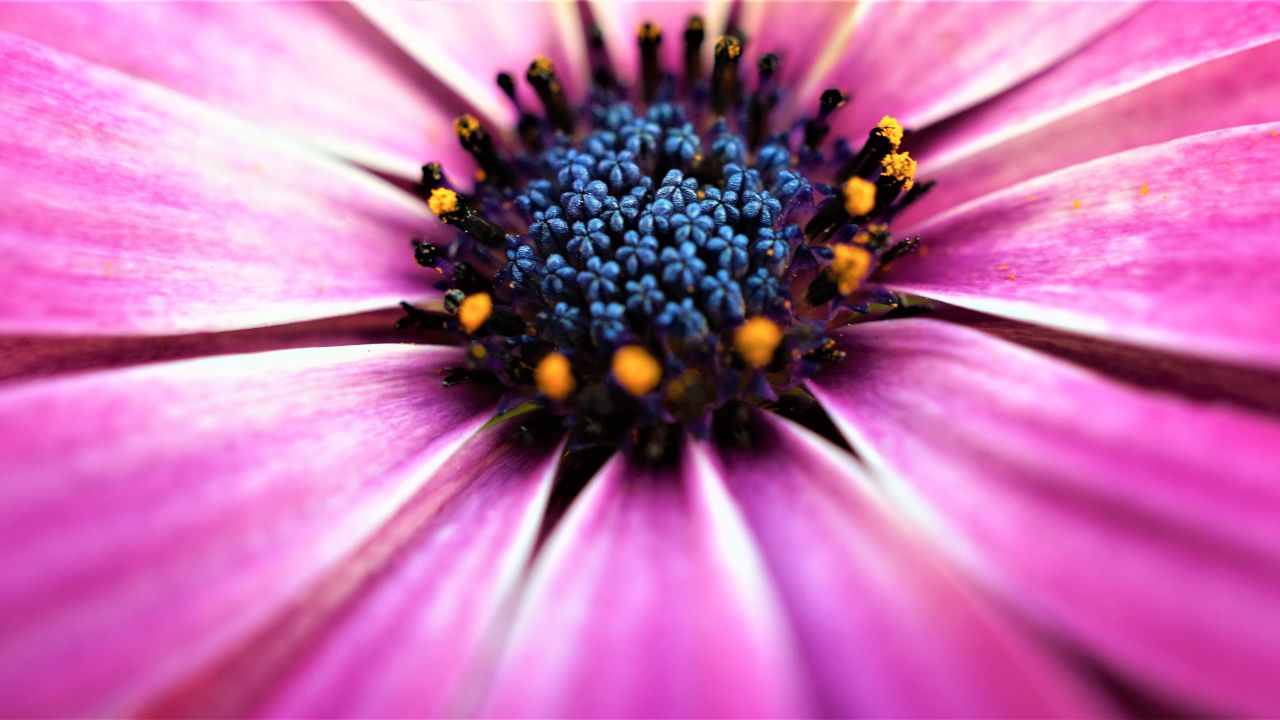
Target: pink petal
(466, 44)
(1158, 77)
(152, 519)
(129, 209)
(1140, 528)
(649, 600)
(1170, 246)
(398, 626)
(887, 630)
(34, 356)
(312, 70)
(922, 62)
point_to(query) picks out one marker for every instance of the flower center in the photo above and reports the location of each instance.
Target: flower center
(644, 262)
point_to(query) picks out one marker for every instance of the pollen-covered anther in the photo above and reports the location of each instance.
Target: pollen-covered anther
(542, 76)
(755, 341)
(443, 201)
(465, 126)
(554, 377)
(636, 370)
(474, 311)
(849, 267)
(900, 167)
(891, 129)
(859, 196)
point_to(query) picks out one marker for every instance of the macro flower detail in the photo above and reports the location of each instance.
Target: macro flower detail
(639, 359)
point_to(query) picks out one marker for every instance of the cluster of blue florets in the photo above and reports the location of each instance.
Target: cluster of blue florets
(648, 229)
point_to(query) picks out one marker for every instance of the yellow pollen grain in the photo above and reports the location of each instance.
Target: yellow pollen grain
(859, 196)
(442, 201)
(636, 370)
(891, 129)
(1143, 190)
(730, 44)
(849, 267)
(554, 377)
(465, 126)
(1077, 204)
(474, 311)
(1274, 133)
(900, 166)
(479, 352)
(756, 339)
(542, 63)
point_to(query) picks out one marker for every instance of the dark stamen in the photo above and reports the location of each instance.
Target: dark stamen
(419, 318)
(598, 58)
(724, 74)
(476, 141)
(527, 125)
(426, 254)
(822, 290)
(827, 219)
(878, 146)
(916, 192)
(694, 34)
(902, 248)
(816, 129)
(542, 76)
(762, 102)
(469, 280)
(650, 37)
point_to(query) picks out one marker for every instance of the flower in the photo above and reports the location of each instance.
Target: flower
(229, 487)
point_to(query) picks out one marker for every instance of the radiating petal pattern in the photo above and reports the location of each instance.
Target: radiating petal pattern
(466, 45)
(1156, 78)
(1160, 40)
(922, 62)
(129, 209)
(1169, 245)
(887, 628)
(649, 600)
(152, 518)
(1142, 529)
(310, 70)
(38, 356)
(399, 625)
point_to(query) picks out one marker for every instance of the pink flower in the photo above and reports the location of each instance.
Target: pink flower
(229, 487)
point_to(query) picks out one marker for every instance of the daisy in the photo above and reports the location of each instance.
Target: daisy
(772, 359)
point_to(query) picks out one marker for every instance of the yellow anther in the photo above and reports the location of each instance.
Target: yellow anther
(465, 126)
(649, 31)
(478, 351)
(891, 129)
(729, 45)
(859, 196)
(900, 166)
(442, 201)
(554, 376)
(542, 63)
(474, 311)
(756, 339)
(636, 370)
(849, 267)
